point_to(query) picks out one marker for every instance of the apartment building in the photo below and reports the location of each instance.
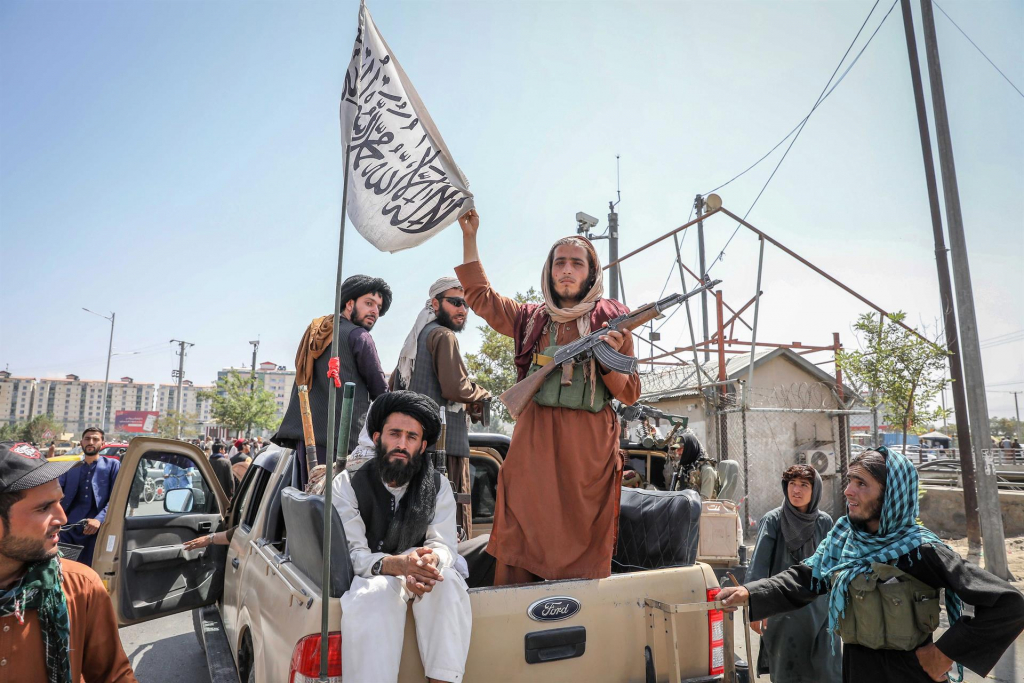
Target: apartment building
(167, 400)
(78, 403)
(15, 398)
(277, 379)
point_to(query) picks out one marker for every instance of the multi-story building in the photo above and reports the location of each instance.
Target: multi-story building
(277, 379)
(78, 403)
(167, 400)
(15, 398)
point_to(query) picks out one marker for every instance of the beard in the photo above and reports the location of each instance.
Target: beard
(395, 472)
(23, 549)
(443, 318)
(91, 450)
(868, 512)
(571, 298)
(362, 322)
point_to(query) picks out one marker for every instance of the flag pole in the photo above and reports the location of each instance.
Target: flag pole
(332, 402)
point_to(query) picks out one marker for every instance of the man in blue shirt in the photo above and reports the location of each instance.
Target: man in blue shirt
(87, 493)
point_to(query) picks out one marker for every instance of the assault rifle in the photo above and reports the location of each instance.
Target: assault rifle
(519, 395)
(640, 411)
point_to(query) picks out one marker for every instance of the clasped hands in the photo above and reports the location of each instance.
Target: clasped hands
(418, 568)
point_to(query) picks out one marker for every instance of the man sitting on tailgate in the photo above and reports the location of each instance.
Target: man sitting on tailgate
(399, 519)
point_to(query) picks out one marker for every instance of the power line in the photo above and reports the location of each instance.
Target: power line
(804, 119)
(821, 98)
(979, 49)
(1000, 336)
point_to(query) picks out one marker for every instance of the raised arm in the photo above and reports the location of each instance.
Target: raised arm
(497, 311)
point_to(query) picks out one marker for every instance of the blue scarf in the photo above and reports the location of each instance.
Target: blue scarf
(848, 551)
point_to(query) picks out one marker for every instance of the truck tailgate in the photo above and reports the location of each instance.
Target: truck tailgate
(604, 640)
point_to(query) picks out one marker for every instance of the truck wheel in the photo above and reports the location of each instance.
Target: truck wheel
(197, 626)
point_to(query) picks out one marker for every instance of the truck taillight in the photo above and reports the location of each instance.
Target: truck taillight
(716, 637)
(305, 666)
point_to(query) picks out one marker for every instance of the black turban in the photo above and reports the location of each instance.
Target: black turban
(692, 448)
(361, 285)
(417, 406)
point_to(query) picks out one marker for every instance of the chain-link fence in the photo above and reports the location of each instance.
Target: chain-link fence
(774, 429)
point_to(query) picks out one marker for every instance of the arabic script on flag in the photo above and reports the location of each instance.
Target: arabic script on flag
(403, 185)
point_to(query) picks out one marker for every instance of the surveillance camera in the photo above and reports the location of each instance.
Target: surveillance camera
(585, 219)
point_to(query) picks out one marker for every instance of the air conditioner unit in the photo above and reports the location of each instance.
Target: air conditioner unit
(821, 459)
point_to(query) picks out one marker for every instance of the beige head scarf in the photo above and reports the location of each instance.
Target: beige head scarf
(581, 311)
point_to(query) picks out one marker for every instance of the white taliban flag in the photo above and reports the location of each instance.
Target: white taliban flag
(403, 185)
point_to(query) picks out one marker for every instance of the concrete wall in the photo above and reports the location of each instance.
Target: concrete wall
(942, 511)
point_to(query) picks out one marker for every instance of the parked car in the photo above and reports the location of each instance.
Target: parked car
(114, 450)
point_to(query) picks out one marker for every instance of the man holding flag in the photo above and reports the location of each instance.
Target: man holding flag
(557, 509)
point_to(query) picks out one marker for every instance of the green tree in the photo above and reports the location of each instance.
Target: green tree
(902, 373)
(1003, 426)
(172, 424)
(11, 431)
(34, 429)
(494, 367)
(236, 407)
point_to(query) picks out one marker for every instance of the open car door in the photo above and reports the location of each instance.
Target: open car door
(166, 493)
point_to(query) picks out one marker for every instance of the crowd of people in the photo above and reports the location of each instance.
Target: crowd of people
(853, 600)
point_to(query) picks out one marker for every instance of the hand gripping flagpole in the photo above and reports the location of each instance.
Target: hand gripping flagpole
(332, 402)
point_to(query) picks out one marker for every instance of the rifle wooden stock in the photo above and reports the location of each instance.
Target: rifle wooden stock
(308, 437)
(518, 396)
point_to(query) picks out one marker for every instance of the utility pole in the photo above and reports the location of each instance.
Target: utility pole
(252, 380)
(106, 378)
(988, 492)
(1016, 408)
(698, 204)
(946, 296)
(613, 240)
(613, 251)
(181, 377)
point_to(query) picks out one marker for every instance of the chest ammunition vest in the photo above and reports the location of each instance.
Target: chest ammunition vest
(576, 396)
(889, 609)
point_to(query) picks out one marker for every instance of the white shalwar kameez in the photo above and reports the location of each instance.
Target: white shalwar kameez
(373, 611)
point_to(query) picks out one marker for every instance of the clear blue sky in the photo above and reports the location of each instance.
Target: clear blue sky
(179, 163)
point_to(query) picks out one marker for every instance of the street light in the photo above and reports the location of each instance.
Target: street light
(106, 379)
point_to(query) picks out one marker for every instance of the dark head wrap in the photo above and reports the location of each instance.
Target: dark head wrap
(361, 285)
(798, 528)
(691, 447)
(417, 406)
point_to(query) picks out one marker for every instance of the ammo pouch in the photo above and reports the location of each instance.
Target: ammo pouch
(889, 609)
(577, 395)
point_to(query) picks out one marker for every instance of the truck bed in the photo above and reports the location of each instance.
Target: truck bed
(612, 615)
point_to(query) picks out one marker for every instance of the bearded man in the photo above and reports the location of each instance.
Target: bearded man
(364, 300)
(557, 508)
(431, 364)
(399, 519)
(87, 494)
(882, 572)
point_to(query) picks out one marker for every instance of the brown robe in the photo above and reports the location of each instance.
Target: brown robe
(557, 508)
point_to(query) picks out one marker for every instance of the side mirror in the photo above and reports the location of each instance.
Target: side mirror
(184, 500)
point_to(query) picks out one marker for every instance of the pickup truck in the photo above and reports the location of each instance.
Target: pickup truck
(257, 602)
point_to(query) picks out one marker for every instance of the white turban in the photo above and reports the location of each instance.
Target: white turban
(407, 359)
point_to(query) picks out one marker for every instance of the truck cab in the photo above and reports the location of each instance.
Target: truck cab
(257, 601)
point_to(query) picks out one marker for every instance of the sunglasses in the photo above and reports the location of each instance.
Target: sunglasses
(456, 301)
